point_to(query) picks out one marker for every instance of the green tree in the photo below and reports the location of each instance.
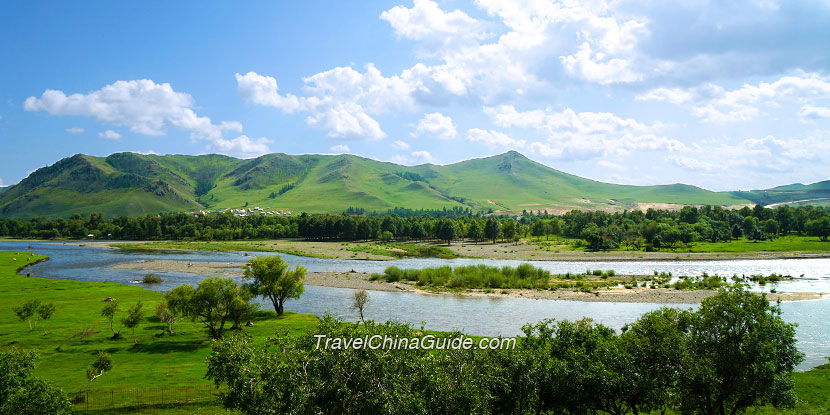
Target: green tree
(741, 353)
(492, 229)
(273, 280)
(475, 232)
(96, 369)
(819, 227)
(134, 317)
(447, 230)
(22, 393)
(538, 229)
(34, 310)
(108, 311)
(508, 229)
(213, 302)
(360, 299)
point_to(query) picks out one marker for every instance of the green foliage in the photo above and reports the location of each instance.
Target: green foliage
(23, 393)
(360, 299)
(101, 365)
(740, 354)
(735, 351)
(214, 302)
(108, 311)
(273, 280)
(472, 276)
(134, 317)
(33, 311)
(151, 279)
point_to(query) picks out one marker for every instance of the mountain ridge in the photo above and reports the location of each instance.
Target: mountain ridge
(133, 184)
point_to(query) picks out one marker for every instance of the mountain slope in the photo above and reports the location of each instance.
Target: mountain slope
(131, 184)
(815, 194)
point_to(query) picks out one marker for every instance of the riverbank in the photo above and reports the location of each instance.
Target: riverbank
(360, 281)
(525, 250)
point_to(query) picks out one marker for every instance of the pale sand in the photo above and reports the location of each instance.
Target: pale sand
(359, 281)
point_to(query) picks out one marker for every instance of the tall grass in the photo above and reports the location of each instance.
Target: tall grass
(471, 276)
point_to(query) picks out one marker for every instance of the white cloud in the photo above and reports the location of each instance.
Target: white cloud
(147, 108)
(611, 165)
(691, 163)
(242, 146)
(809, 112)
(340, 101)
(75, 130)
(435, 28)
(492, 138)
(340, 148)
(422, 156)
(400, 145)
(712, 103)
(583, 135)
(1, 183)
(435, 125)
(110, 135)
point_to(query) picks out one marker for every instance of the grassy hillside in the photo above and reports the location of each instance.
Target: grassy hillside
(132, 184)
(796, 194)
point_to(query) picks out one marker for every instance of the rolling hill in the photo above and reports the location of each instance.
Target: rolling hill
(132, 184)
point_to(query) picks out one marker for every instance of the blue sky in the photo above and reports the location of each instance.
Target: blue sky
(723, 95)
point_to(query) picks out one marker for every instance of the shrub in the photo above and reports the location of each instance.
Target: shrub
(151, 279)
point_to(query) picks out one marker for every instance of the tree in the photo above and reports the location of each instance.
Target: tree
(273, 280)
(166, 316)
(750, 228)
(741, 353)
(492, 229)
(417, 231)
(447, 230)
(538, 229)
(34, 310)
(101, 365)
(134, 317)
(819, 227)
(508, 229)
(475, 232)
(21, 393)
(215, 301)
(109, 310)
(360, 299)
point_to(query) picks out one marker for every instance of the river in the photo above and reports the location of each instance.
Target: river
(487, 316)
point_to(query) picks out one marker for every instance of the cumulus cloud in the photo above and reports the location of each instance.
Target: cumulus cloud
(145, 107)
(435, 125)
(422, 156)
(75, 130)
(435, 28)
(492, 138)
(341, 101)
(340, 148)
(810, 112)
(712, 103)
(400, 145)
(583, 135)
(242, 146)
(109, 135)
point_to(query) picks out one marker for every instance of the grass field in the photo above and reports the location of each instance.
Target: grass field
(154, 361)
(791, 243)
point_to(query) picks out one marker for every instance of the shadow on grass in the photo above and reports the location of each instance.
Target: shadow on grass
(171, 346)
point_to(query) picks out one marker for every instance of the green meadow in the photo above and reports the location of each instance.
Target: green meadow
(153, 361)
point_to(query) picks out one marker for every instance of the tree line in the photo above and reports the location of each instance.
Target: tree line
(636, 230)
(733, 353)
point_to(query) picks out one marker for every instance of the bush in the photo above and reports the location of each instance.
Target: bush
(151, 279)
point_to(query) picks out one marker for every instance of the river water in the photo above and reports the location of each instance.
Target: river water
(486, 316)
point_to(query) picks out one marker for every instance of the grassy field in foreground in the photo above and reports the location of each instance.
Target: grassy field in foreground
(154, 361)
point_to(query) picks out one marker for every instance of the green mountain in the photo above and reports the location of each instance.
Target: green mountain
(132, 184)
(794, 194)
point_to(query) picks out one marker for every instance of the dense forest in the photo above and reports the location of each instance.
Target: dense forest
(597, 230)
